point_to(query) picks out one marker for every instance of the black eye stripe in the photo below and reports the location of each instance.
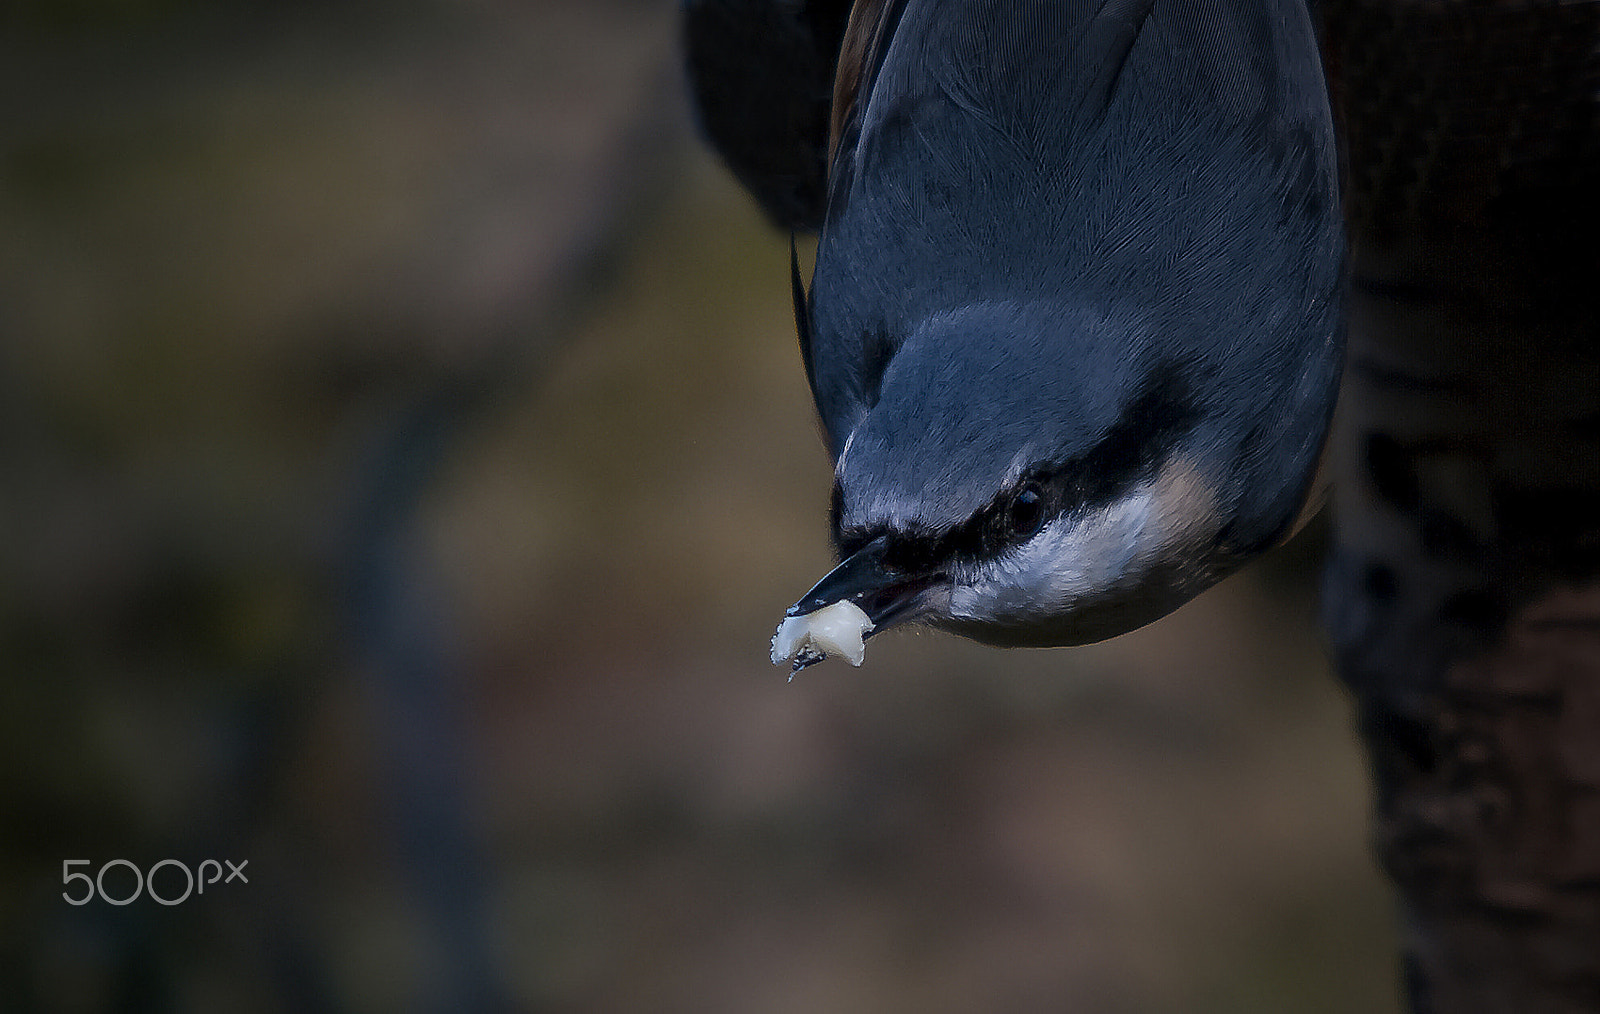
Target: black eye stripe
(1135, 446)
(1131, 450)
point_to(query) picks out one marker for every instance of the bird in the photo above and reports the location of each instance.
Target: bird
(1075, 327)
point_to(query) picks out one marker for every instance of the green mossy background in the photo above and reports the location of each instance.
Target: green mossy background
(405, 460)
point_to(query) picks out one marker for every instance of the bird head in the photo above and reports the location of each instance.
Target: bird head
(1024, 491)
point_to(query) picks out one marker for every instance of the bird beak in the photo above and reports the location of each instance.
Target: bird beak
(887, 594)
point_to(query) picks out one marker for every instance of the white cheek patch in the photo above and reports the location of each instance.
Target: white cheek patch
(839, 629)
(1106, 553)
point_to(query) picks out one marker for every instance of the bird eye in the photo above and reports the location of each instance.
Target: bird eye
(1025, 513)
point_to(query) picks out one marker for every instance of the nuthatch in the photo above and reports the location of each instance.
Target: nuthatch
(1076, 323)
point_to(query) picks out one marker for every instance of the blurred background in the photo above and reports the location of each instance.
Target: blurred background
(404, 461)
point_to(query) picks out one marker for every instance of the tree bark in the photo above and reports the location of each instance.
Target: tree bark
(1463, 593)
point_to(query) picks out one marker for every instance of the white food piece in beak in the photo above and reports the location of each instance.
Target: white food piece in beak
(832, 630)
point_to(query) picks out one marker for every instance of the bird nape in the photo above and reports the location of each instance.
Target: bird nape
(1076, 323)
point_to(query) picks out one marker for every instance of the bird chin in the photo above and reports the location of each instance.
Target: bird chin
(1062, 633)
(1085, 622)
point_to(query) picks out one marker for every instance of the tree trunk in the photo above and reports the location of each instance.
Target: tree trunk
(1463, 595)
